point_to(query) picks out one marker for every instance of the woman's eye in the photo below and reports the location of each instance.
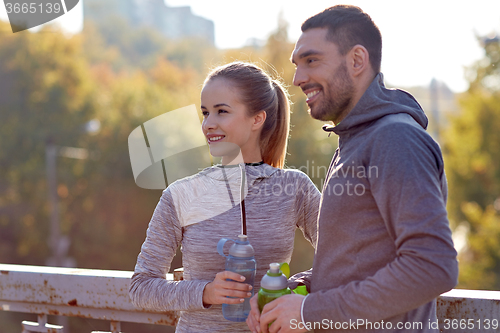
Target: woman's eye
(204, 113)
(222, 111)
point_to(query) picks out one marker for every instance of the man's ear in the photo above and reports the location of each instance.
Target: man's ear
(359, 60)
(259, 119)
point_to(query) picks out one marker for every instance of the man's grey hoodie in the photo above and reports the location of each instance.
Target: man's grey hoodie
(385, 250)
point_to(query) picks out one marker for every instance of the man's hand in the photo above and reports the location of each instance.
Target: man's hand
(216, 291)
(284, 314)
(253, 320)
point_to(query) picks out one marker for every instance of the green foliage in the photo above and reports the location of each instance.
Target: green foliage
(485, 74)
(45, 97)
(480, 264)
(472, 154)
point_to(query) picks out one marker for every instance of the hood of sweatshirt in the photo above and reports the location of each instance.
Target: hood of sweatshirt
(377, 102)
(232, 173)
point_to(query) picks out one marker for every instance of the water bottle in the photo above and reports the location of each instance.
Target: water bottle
(240, 260)
(273, 285)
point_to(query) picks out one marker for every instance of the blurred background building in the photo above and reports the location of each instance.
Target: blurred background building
(172, 22)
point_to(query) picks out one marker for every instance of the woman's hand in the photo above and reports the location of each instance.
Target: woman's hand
(216, 291)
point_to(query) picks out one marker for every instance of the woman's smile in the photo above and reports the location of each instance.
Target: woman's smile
(213, 138)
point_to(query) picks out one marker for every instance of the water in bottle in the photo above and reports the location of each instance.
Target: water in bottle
(240, 260)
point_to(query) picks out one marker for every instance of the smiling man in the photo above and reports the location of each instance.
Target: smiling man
(384, 249)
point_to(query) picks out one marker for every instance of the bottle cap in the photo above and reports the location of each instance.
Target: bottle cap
(274, 279)
(274, 267)
(241, 248)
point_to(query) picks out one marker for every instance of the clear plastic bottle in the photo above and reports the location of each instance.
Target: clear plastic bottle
(273, 285)
(240, 260)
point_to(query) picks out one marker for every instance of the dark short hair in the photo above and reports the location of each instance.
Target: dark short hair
(349, 26)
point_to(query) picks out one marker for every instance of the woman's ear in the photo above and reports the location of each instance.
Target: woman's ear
(259, 119)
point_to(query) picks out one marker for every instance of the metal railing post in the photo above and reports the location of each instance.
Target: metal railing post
(115, 327)
(41, 326)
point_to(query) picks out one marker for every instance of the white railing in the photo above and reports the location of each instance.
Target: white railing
(103, 294)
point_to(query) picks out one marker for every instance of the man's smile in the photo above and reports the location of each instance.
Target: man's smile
(312, 95)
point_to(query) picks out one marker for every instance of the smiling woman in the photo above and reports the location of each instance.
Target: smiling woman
(246, 123)
(257, 107)
(230, 131)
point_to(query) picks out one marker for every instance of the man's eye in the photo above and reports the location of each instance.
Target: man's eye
(310, 60)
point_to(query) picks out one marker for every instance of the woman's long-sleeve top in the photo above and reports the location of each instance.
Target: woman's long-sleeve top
(196, 212)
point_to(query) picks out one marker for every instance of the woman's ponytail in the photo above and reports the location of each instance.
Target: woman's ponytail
(273, 148)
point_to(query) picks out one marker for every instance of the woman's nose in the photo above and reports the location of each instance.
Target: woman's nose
(209, 123)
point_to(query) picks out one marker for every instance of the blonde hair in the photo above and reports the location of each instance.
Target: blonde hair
(260, 92)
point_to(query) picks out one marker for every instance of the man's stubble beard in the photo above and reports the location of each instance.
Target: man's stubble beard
(337, 97)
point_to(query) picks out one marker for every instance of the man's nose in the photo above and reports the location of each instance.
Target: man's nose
(299, 77)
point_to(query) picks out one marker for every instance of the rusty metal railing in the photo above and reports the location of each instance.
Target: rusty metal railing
(86, 293)
(103, 294)
(461, 310)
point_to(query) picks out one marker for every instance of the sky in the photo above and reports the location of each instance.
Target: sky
(422, 39)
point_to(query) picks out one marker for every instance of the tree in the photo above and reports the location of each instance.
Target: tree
(472, 154)
(45, 97)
